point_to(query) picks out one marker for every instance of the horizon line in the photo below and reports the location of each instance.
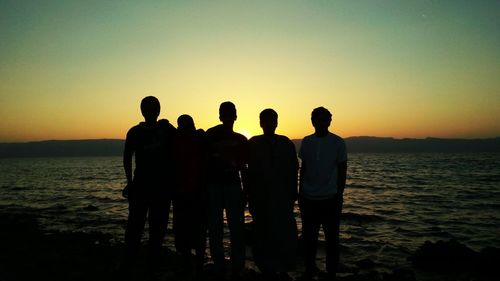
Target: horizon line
(349, 137)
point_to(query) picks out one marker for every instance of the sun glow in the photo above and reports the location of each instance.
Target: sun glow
(246, 133)
(79, 69)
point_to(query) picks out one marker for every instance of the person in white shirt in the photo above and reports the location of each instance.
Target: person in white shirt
(322, 182)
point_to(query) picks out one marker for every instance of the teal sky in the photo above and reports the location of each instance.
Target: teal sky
(78, 69)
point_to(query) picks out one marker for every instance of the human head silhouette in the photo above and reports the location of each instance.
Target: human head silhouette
(150, 108)
(268, 121)
(321, 119)
(185, 123)
(227, 113)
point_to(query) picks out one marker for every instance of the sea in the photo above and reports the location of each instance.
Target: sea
(393, 203)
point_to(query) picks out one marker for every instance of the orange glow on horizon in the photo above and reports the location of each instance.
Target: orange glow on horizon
(78, 70)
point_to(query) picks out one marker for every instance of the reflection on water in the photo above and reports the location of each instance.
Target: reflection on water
(393, 202)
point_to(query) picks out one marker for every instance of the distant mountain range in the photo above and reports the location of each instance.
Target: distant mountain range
(392, 145)
(114, 147)
(63, 148)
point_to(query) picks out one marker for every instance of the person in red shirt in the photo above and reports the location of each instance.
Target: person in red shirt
(190, 219)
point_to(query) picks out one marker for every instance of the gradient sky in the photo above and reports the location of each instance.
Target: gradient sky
(78, 69)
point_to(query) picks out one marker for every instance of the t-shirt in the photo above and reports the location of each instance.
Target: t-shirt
(189, 161)
(153, 150)
(227, 155)
(321, 156)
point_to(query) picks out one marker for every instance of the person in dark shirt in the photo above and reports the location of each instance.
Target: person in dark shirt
(272, 190)
(149, 189)
(190, 214)
(226, 160)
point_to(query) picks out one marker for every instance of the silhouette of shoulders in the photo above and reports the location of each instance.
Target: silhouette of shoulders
(276, 139)
(330, 136)
(219, 131)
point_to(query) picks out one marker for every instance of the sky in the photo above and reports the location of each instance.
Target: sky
(404, 69)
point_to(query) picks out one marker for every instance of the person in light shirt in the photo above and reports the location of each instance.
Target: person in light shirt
(321, 187)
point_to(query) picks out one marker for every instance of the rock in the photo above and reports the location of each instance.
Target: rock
(489, 257)
(451, 257)
(445, 256)
(488, 263)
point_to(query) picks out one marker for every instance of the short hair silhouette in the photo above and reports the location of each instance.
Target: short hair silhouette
(150, 107)
(268, 121)
(227, 112)
(227, 107)
(268, 114)
(185, 122)
(320, 112)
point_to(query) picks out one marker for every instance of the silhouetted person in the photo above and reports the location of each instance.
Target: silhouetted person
(226, 159)
(322, 183)
(272, 191)
(190, 213)
(149, 190)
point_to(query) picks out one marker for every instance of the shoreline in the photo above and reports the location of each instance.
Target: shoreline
(30, 253)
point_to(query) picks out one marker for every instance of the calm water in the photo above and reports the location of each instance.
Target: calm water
(393, 202)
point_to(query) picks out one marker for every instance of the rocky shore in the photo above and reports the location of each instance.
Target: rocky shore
(29, 253)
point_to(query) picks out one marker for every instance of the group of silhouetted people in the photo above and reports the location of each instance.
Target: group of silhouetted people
(202, 174)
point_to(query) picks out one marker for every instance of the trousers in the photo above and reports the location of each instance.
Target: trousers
(317, 213)
(155, 209)
(226, 197)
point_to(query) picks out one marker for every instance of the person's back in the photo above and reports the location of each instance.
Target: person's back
(149, 190)
(322, 156)
(152, 146)
(190, 155)
(226, 154)
(271, 186)
(190, 193)
(322, 183)
(226, 160)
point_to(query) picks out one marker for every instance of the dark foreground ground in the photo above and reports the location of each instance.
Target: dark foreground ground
(29, 253)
